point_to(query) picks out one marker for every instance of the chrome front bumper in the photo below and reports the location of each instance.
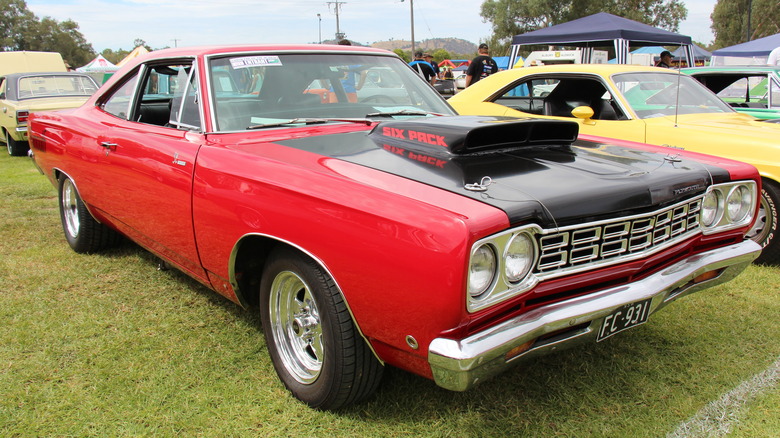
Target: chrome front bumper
(460, 364)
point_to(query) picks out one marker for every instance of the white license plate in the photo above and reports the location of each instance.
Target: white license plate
(625, 317)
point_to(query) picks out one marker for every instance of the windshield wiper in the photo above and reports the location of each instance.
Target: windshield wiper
(406, 112)
(307, 121)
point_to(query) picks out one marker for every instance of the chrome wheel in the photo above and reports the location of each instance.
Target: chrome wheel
(314, 345)
(83, 233)
(70, 213)
(765, 221)
(296, 327)
(764, 230)
(9, 144)
(15, 148)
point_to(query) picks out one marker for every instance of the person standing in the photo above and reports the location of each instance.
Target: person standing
(481, 67)
(666, 60)
(774, 57)
(423, 68)
(429, 58)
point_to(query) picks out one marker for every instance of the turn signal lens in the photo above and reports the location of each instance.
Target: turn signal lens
(21, 116)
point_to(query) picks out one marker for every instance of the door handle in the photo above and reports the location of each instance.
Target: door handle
(108, 145)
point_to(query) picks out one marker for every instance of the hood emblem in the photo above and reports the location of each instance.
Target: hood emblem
(481, 186)
(673, 158)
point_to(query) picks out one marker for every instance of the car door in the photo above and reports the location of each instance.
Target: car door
(556, 96)
(148, 157)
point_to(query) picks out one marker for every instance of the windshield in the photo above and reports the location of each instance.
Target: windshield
(254, 91)
(656, 95)
(55, 86)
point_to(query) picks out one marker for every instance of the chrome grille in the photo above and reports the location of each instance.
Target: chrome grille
(588, 245)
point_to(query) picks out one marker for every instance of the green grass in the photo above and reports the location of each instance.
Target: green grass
(107, 345)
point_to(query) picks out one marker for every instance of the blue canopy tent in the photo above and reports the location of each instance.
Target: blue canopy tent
(759, 47)
(757, 50)
(700, 56)
(599, 30)
(502, 62)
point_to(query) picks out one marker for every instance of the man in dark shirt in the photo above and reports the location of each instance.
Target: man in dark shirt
(666, 60)
(423, 68)
(481, 67)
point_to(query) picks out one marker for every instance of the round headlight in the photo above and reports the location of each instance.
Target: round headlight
(738, 203)
(482, 270)
(710, 208)
(519, 257)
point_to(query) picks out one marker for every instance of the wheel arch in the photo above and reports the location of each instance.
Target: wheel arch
(58, 173)
(250, 255)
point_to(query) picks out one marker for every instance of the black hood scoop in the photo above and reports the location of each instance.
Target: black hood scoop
(449, 137)
(534, 170)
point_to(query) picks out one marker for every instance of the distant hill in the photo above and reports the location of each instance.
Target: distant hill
(455, 46)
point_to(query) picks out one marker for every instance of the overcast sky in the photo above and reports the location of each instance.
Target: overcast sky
(115, 24)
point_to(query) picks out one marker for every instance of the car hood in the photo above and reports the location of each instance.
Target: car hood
(554, 182)
(729, 124)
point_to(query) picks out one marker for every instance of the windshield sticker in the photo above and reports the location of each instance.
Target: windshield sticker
(255, 61)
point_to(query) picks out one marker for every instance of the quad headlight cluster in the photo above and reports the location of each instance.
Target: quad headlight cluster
(501, 265)
(728, 206)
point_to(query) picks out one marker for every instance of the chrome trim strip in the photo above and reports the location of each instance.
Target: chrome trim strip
(634, 226)
(460, 364)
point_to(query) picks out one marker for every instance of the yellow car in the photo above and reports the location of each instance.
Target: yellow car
(643, 104)
(23, 93)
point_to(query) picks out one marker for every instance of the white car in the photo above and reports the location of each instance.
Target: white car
(460, 79)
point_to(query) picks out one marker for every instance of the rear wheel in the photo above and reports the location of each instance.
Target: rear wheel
(83, 233)
(15, 148)
(314, 345)
(764, 231)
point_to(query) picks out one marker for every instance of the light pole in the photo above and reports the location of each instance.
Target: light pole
(411, 11)
(336, 6)
(319, 17)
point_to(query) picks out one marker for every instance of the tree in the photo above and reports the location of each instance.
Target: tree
(15, 20)
(405, 56)
(440, 55)
(20, 29)
(512, 17)
(49, 35)
(730, 21)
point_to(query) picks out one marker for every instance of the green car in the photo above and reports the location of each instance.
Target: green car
(751, 89)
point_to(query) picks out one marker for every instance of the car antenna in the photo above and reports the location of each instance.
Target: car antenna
(677, 103)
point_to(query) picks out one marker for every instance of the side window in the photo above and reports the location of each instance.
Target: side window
(528, 96)
(162, 94)
(185, 113)
(119, 102)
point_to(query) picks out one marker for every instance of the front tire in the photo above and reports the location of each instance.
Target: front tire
(314, 345)
(764, 231)
(15, 148)
(83, 233)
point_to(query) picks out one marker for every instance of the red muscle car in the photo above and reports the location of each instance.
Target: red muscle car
(377, 228)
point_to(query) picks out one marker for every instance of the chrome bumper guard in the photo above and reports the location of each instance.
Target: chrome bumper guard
(460, 364)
